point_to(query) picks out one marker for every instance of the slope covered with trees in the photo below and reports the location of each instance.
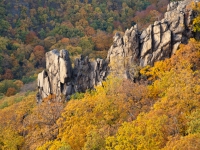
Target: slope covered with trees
(29, 28)
(125, 115)
(160, 111)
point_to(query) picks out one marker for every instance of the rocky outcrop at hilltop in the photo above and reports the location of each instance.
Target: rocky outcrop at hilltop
(159, 41)
(59, 78)
(57, 74)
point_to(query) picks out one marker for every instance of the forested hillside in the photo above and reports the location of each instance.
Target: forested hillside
(160, 110)
(29, 28)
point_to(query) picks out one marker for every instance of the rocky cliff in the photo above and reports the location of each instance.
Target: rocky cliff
(60, 78)
(159, 41)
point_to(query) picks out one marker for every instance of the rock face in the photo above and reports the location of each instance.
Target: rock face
(158, 41)
(124, 51)
(87, 74)
(60, 78)
(57, 74)
(134, 48)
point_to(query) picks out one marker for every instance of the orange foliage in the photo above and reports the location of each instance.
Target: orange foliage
(143, 18)
(65, 40)
(8, 74)
(30, 37)
(39, 52)
(89, 31)
(41, 124)
(50, 97)
(102, 40)
(11, 91)
(68, 24)
(190, 142)
(18, 83)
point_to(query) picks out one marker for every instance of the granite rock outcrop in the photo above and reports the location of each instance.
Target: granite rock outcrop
(59, 78)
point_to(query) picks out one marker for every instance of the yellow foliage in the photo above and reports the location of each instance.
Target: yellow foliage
(145, 133)
(11, 118)
(10, 139)
(190, 142)
(85, 123)
(196, 6)
(117, 115)
(56, 145)
(176, 87)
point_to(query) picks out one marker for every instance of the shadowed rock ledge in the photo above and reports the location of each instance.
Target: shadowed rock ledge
(157, 42)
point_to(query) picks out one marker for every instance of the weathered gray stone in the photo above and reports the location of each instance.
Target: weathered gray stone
(156, 29)
(164, 27)
(43, 84)
(156, 55)
(127, 52)
(146, 47)
(143, 35)
(166, 38)
(59, 77)
(156, 41)
(41, 78)
(147, 59)
(175, 47)
(177, 37)
(52, 62)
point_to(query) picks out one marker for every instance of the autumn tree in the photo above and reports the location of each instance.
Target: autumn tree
(102, 40)
(85, 123)
(12, 119)
(8, 74)
(30, 37)
(87, 45)
(89, 31)
(11, 91)
(39, 53)
(146, 132)
(190, 142)
(42, 123)
(10, 139)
